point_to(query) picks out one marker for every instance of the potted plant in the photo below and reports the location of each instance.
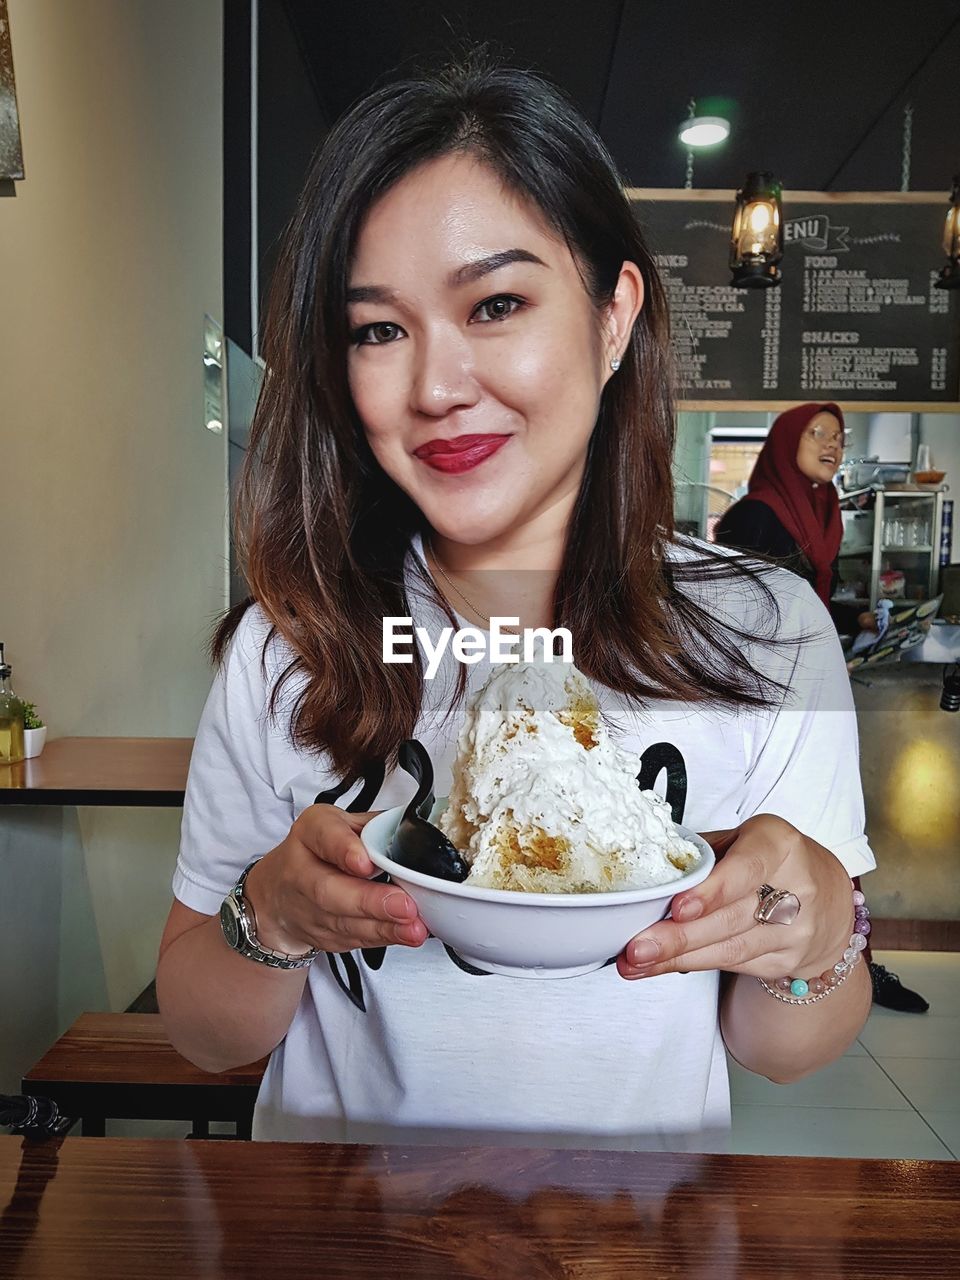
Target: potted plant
(34, 731)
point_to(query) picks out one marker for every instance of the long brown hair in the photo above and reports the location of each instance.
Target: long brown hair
(323, 532)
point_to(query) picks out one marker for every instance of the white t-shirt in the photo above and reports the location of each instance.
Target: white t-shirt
(416, 1048)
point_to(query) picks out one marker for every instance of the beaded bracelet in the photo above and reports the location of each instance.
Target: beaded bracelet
(809, 991)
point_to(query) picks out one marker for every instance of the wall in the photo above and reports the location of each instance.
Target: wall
(113, 521)
(891, 436)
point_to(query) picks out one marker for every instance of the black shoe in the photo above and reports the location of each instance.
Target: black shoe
(890, 992)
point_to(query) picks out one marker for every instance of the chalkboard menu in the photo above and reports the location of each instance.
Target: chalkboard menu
(857, 318)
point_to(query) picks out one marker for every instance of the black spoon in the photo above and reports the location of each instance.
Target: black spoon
(417, 843)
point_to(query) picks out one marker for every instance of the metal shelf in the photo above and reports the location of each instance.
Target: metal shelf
(919, 564)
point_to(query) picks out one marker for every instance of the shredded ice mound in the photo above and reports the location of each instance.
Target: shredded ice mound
(543, 801)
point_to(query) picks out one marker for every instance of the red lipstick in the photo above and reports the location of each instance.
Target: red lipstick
(462, 453)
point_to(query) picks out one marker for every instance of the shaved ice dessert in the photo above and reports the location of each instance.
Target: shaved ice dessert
(542, 800)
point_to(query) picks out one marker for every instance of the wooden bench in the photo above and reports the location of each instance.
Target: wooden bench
(121, 1066)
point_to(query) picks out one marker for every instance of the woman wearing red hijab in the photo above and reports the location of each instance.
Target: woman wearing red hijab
(791, 514)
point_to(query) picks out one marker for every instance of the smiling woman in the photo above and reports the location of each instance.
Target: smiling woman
(468, 342)
(455, 366)
(792, 512)
(468, 407)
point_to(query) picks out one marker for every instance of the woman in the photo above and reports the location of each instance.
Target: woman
(468, 408)
(791, 514)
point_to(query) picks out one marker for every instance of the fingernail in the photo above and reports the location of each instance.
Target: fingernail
(642, 951)
(396, 906)
(642, 972)
(689, 909)
(360, 863)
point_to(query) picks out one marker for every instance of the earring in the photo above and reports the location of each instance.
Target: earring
(615, 365)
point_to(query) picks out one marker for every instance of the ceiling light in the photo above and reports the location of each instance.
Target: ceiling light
(704, 131)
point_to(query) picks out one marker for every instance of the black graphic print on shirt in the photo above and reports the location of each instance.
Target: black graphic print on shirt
(664, 755)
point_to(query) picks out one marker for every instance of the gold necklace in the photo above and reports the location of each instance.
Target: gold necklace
(453, 586)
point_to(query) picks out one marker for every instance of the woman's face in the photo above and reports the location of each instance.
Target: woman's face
(821, 448)
(477, 358)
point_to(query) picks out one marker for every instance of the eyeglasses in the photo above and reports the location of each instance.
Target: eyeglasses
(823, 435)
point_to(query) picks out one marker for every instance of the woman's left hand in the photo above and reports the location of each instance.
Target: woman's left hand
(713, 925)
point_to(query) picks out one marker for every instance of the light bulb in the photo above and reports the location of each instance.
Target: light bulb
(704, 131)
(759, 217)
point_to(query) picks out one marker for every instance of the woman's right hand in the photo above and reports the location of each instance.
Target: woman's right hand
(313, 890)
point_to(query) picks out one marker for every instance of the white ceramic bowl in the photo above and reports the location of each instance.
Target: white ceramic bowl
(529, 935)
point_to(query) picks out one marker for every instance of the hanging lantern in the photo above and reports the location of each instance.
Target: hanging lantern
(950, 275)
(756, 241)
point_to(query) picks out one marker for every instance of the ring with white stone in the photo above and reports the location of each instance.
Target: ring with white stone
(776, 906)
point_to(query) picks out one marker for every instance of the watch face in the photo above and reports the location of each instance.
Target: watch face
(230, 923)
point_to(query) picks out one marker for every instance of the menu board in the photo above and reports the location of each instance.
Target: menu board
(856, 319)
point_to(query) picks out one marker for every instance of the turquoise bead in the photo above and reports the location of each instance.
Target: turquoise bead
(798, 987)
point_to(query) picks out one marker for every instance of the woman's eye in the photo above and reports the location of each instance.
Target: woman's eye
(498, 308)
(376, 335)
(384, 332)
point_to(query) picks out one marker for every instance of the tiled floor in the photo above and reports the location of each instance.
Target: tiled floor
(895, 1095)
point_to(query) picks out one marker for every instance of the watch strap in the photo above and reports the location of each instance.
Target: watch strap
(248, 944)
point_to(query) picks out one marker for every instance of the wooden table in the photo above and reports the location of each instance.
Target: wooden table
(121, 1065)
(115, 1208)
(143, 772)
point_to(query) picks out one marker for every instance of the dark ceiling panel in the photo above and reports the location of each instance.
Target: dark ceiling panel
(813, 90)
(935, 147)
(354, 44)
(805, 82)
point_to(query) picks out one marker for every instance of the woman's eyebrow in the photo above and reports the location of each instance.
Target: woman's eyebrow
(371, 293)
(467, 274)
(472, 271)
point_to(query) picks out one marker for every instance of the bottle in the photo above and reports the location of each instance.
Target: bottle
(946, 531)
(11, 717)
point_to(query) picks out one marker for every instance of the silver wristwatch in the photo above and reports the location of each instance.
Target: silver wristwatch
(239, 925)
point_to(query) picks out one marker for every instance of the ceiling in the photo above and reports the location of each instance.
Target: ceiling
(815, 91)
